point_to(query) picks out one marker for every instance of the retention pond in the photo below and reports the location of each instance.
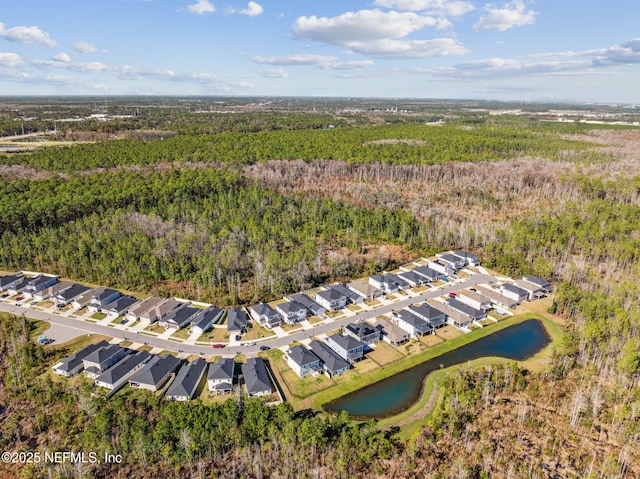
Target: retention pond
(400, 391)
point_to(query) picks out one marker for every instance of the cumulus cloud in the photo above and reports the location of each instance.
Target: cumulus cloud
(627, 53)
(378, 33)
(445, 8)
(201, 7)
(253, 10)
(62, 57)
(511, 15)
(23, 34)
(85, 47)
(11, 60)
(275, 73)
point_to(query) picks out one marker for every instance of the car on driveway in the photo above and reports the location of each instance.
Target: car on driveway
(19, 298)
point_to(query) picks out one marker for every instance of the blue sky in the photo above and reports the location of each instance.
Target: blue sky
(564, 50)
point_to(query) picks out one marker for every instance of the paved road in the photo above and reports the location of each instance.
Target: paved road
(84, 327)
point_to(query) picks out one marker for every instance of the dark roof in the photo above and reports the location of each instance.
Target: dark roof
(123, 367)
(181, 316)
(362, 330)
(426, 272)
(264, 309)
(331, 294)
(328, 356)
(348, 343)
(302, 356)
(410, 318)
(426, 311)
(72, 292)
(122, 303)
(101, 293)
(451, 258)
(465, 308)
(40, 280)
(411, 276)
(307, 302)
(21, 284)
(543, 283)
(73, 361)
(222, 369)
(187, 379)
(255, 376)
(290, 307)
(395, 279)
(155, 370)
(9, 279)
(103, 354)
(236, 319)
(515, 289)
(207, 317)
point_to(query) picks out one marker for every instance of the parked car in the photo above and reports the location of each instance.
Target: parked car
(124, 321)
(4, 295)
(252, 343)
(265, 348)
(238, 337)
(32, 303)
(19, 298)
(218, 345)
(453, 294)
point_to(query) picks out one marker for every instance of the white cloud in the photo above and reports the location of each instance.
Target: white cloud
(410, 48)
(85, 47)
(276, 73)
(26, 35)
(351, 65)
(511, 15)
(445, 8)
(253, 9)
(11, 60)
(378, 33)
(201, 7)
(627, 53)
(297, 59)
(62, 57)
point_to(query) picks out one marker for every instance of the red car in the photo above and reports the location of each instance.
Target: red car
(452, 294)
(218, 346)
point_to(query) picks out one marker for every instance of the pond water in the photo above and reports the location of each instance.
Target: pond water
(397, 393)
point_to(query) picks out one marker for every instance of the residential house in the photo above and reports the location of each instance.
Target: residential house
(463, 308)
(363, 332)
(347, 347)
(265, 315)
(496, 298)
(184, 386)
(313, 308)
(205, 320)
(413, 278)
(155, 373)
(74, 364)
(236, 321)
(67, 295)
(256, 378)
(120, 306)
(455, 261)
(412, 324)
(474, 299)
(428, 273)
(391, 333)
(159, 311)
(442, 267)
(437, 319)
(514, 292)
(18, 286)
(302, 361)
(454, 317)
(364, 289)
(101, 297)
(543, 284)
(385, 283)
(220, 378)
(103, 358)
(117, 376)
(291, 311)
(352, 297)
(536, 287)
(52, 290)
(469, 259)
(331, 299)
(179, 318)
(8, 281)
(137, 310)
(82, 300)
(332, 364)
(38, 283)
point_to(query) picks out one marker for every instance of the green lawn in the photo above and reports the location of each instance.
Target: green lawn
(98, 316)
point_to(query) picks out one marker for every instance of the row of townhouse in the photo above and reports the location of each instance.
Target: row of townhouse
(112, 366)
(28, 286)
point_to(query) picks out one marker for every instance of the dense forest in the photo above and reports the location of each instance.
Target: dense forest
(234, 216)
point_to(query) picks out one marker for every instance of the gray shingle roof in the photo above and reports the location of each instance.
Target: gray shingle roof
(102, 355)
(72, 292)
(307, 302)
(155, 370)
(425, 310)
(236, 319)
(222, 369)
(76, 359)
(347, 342)
(302, 356)
(122, 303)
(328, 356)
(291, 307)
(187, 379)
(465, 308)
(255, 375)
(7, 280)
(123, 367)
(207, 317)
